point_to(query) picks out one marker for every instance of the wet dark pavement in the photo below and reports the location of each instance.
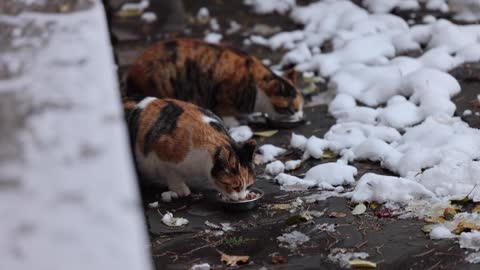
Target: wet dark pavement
(392, 243)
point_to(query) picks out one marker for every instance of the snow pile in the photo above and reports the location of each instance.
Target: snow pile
(201, 266)
(331, 173)
(293, 183)
(275, 168)
(149, 17)
(391, 109)
(213, 38)
(385, 6)
(380, 188)
(293, 240)
(292, 165)
(298, 141)
(241, 133)
(169, 220)
(324, 176)
(441, 232)
(270, 152)
(470, 240)
(270, 6)
(436, 155)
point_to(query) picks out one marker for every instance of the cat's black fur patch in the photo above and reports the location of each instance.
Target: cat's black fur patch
(245, 153)
(246, 97)
(133, 120)
(184, 85)
(166, 123)
(219, 163)
(171, 47)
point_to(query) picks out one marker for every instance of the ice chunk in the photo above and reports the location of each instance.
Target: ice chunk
(270, 152)
(333, 173)
(440, 232)
(213, 38)
(241, 133)
(380, 188)
(293, 240)
(298, 141)
(275, 168)
(315, 147)
(292, 164)
(470, 240)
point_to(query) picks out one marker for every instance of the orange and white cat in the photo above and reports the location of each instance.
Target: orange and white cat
(225, 80)
(181, 145)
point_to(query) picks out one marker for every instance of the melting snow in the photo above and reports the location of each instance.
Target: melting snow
(270, 152)
(395, 110)
(293, 240)
(241, 133)
(275, 168)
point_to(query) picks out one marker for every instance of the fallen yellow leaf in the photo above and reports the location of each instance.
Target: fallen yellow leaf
(373, 205)
(363, 263)
(427, 228)
(449, 213)
(466, 226)
(129, 13)
(328, 154)
(231, 260)
(266, 133)
(281, 206)
(434, 219)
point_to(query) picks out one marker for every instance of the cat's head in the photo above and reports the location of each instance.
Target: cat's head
(286, 100)
(232, 172)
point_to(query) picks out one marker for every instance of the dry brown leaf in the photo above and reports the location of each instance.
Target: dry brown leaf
(232, 260)
(277, 259)
(337, 214)
(434, 219)
(476, 208)
(466, 226)
(449, 213)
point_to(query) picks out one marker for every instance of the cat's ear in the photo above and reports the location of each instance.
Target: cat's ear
(247, 151)
(290, 75)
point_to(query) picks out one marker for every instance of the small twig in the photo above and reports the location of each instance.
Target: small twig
(424, 253)
(334, 243)
(448, 254)
(214, 244)
(361, 244)
(178, 209)
(378, 249)
(435, 265)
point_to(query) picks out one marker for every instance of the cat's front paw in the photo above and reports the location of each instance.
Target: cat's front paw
(182, 190)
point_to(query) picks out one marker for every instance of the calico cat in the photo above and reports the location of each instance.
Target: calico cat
(225, 80)
(181, 145)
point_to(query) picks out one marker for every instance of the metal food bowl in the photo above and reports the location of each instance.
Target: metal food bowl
(284, 123)
(263, 119)
(241, 205)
